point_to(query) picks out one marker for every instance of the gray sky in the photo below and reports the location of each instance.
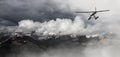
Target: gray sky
(12, 11)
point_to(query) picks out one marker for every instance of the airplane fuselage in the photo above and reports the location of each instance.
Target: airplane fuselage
(93, 13)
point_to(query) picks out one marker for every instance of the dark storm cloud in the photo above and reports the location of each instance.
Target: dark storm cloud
(12, 11)
(5, 22)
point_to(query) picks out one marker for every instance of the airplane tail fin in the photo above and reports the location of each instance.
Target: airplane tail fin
(95, 9)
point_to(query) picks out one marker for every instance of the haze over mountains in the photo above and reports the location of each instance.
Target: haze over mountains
(58, 18)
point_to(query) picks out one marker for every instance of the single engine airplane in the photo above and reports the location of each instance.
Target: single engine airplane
(93, 13)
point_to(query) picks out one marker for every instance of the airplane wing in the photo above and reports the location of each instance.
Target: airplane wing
(84, 11)
(103, 11)
(91, 11)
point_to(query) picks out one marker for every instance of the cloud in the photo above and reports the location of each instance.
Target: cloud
(57, 27)
(40, 10)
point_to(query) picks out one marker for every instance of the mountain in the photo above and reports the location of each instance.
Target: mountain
(14, 43)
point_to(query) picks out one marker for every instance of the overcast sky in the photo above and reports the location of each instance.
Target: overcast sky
(12, 11)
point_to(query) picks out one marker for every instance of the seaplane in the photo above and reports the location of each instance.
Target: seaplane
(93, 13)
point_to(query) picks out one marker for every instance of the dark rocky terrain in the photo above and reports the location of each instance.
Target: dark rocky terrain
(13, 44)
